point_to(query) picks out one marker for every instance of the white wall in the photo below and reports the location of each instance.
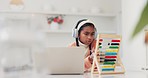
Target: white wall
(103, 24)
(133, 50)
(37, 22)
(65, 5)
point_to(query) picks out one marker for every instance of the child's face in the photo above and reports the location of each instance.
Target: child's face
(87, 35)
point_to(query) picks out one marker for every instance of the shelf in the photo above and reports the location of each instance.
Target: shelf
(57, 31)
(58, 13)
(107, 32)
(69, 32)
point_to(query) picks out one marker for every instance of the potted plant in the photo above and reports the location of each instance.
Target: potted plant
(143, 21)
(55, 21)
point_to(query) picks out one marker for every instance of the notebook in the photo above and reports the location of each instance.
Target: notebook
(60, 60)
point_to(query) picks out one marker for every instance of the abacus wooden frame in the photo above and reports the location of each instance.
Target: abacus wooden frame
(96, 61)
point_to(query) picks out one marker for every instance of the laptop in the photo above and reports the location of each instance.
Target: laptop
(60, 60)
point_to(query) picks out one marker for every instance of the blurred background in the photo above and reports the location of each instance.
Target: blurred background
(28, 26)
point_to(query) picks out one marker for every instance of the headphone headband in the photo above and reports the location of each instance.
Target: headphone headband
(82, 23)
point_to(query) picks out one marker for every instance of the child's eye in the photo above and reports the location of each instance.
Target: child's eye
(92, 34)
(86, 33)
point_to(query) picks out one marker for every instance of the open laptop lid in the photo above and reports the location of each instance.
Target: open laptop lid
(61, 60)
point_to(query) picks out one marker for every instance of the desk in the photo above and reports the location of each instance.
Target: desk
(129, 74)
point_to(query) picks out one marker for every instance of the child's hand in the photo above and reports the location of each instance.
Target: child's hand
(87, 63)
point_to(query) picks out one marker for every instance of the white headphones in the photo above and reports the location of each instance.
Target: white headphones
(79, 25)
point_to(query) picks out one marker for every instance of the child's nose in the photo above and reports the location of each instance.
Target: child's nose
(90, 36)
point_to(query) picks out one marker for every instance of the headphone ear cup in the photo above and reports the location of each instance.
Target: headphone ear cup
(95, 35)
(75, 33)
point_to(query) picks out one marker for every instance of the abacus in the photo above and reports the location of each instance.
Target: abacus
(106, 56)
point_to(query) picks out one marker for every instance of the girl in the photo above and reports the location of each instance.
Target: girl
(85, 34)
